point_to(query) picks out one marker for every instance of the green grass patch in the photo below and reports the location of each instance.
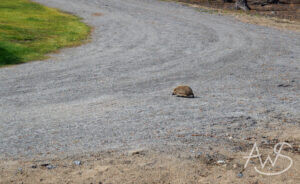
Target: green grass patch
(28, 31)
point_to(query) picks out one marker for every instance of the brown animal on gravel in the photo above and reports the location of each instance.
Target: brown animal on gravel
(183, 91)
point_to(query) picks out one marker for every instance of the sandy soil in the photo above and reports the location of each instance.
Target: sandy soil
(149, 166)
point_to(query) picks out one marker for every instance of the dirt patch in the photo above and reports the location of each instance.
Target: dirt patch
(284, 15)
(97, 14)
(285, 9)
(142, 166)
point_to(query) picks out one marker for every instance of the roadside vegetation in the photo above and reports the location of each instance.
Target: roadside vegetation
(284, 15)
(28, 31)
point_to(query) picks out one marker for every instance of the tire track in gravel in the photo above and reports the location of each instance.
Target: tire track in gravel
(114, 93)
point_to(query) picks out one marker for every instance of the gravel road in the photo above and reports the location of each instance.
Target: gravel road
(115, 92)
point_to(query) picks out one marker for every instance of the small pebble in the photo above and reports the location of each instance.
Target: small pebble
(240, 175)
(77, 162)
(221, 162)
(50, 166)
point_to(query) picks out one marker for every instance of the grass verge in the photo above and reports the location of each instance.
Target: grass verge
(28, 31)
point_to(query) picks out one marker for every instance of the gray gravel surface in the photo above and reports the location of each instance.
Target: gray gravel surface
(115, 92)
